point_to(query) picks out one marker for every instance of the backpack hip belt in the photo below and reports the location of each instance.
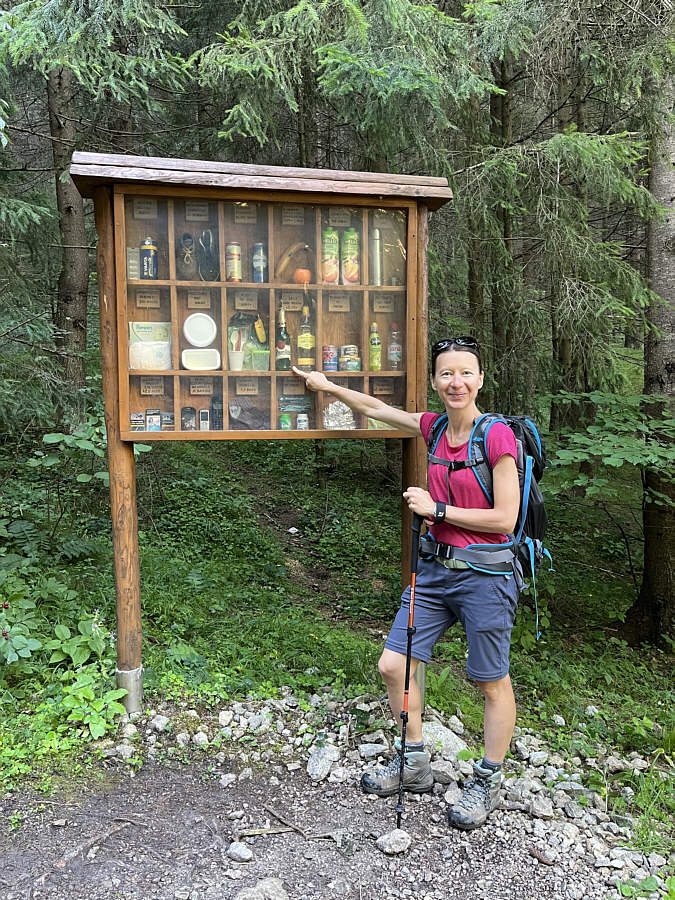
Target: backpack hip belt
(480, 557)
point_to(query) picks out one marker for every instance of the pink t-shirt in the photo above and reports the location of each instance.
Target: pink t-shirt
(465, 491)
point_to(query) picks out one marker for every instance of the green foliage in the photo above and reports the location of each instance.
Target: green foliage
(85, 703)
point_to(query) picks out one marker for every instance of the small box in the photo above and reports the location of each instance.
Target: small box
(153, 420)
(133, 263)
(137, 421)
(168, 421)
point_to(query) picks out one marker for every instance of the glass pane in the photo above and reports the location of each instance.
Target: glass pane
(201, 403)
(246, 242)
(248, 330)
(341, 245)
(387, 247)
(391, 390)
(147, 249)
(151, 406)
(294, 243)
(336, 415)
(248, 402)
(295, 405)
(196, 240)
(199, 328)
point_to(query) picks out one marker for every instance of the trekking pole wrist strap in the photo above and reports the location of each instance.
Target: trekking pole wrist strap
(439, 513)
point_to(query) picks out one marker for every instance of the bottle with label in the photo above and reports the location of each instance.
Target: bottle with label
(330, 256)
(395, 349)
(283, 345)
(306, 343)
(374, 349)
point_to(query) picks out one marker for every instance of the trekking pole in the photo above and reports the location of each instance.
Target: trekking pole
(414, 556)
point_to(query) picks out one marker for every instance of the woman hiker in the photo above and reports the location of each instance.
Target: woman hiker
(448, 590)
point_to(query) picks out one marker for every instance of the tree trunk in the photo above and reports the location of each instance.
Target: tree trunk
(71, 301)
(653, 614)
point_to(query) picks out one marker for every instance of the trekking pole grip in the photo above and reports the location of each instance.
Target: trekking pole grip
(416, 527)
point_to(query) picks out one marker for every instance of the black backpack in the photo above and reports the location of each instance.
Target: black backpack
(531, 524)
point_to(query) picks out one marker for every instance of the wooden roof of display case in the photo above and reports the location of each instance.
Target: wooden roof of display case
(91, 169)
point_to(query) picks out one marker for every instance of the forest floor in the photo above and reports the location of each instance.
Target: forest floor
(164, 834)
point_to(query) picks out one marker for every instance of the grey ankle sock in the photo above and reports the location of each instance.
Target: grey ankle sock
(486, 764)
(416, 747)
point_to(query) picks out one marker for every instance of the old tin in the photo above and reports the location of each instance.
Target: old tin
(233, 261)
(329, 357)
(349, 364)
(302, 422)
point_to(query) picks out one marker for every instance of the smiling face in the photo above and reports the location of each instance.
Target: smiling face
(457, 378)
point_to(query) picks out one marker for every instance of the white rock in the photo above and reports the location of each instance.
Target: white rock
(656, 861)
(615, 765)
(396, 841)
(245, 774)
(440, 739)
(340, 887)
(227, 779)
(159, 723)
(456, 725)
(225, 717)
(125, 751)
(183, 739)
(591, 711)
(541, 807)
(444, 771)
(339, 775)
(559, 720)
(199, 739)
(129, 730)
(452, 795)
(320, 761)
(372, 751)
(538, 758)
(267, 889)
(239, 852)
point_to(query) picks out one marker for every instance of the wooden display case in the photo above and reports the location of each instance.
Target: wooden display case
(195, 262)
(203, 272)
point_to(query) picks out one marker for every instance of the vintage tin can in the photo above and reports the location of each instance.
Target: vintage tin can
(329, 357)
(349, 364)
(350, 264)
(285, 422)
(168, 421)
(330, 256)
(349, 350)
(148, 254)
(188, 418)
(137, 421)
(259, 263)
(153, 420)
(233, 261)
(302, 422)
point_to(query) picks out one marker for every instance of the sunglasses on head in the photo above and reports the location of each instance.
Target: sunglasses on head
(463, 341)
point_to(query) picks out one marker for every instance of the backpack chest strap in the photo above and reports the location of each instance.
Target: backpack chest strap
(455, 464)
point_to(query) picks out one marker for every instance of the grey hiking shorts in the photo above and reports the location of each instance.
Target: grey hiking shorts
(484, 604)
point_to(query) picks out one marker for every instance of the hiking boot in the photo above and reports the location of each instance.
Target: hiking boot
(479, 797)
(417, 775)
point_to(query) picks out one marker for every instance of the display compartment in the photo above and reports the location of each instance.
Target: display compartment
(200, 403)
(295, 407)
(386, 310)
(300, 311)
(151, 403)
(199, 331)
(246, 243)
(390, 389)
(344, 345)
(293, 243)
(333, 414)
(249, 402)
(247, 330)
(146, 238)
(341, 247)
(387, 253)
(196, 240)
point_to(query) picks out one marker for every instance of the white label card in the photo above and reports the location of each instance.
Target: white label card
(382, 386)
(246, 386)
(152, 386)
(338, 302)
(133, 263)
(339, 217)
(292, 300)
(292, 215)
(202, 387)
(199, 298)
(383, 303)
(246, 300)
(196, 210)
(145, 208)
(147, 299)
(245, 214)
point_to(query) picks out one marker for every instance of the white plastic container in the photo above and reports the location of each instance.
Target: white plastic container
(208, 358)
(200, 330)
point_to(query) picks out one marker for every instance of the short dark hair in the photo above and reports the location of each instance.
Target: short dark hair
(462, 343)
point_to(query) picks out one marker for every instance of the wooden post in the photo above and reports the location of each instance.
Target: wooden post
(414, 469)
(122, 470)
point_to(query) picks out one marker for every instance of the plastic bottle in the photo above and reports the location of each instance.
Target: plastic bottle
(375, 349)
(395, 349)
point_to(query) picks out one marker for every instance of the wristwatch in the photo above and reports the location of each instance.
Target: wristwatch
(439, 514)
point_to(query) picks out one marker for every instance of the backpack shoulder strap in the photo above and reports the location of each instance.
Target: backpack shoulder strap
(436, 433)
(478, 455)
